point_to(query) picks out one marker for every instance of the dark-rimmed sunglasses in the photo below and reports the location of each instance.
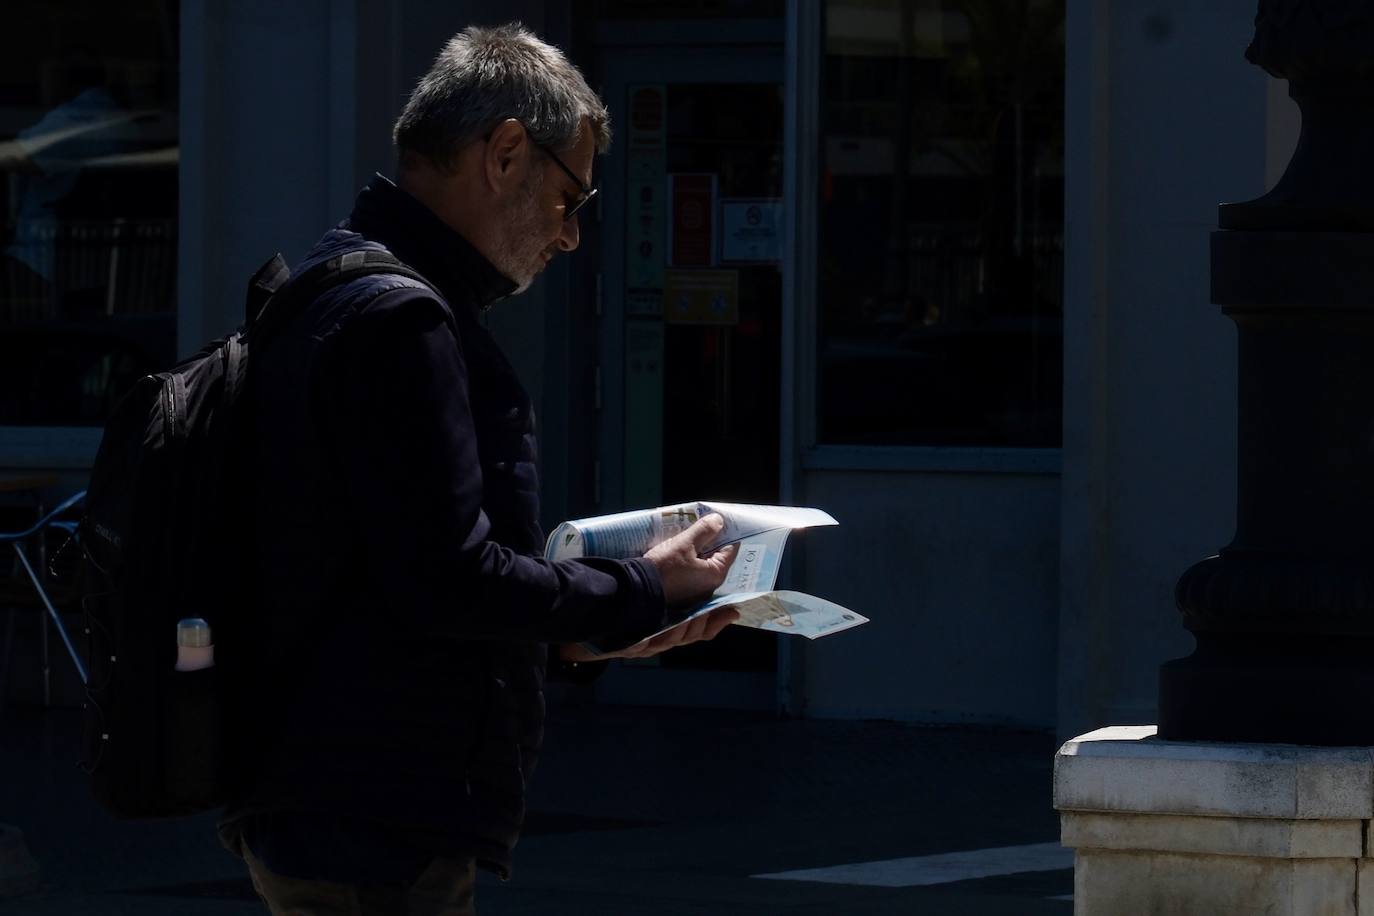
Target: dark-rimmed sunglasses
(588, 191)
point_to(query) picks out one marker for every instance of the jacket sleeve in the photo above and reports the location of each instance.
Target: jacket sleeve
(393, 396)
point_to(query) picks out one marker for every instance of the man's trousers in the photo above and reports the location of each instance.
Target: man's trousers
(444, 889)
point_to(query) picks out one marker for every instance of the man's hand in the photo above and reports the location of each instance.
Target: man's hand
(695, 630)
(686, 575)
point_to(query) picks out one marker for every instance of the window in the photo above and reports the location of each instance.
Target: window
(940, 229)
(88, 203)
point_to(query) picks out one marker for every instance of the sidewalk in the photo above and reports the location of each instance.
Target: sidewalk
(635, 811)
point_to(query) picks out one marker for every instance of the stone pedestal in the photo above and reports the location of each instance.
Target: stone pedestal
(1173, 828)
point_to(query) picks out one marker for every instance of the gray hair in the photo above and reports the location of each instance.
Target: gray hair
(484, 76)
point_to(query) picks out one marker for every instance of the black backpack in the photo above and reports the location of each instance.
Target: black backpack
(165, 537)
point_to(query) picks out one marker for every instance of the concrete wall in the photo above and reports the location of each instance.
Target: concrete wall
(267, 144)
(1165, 119)
(959, 575)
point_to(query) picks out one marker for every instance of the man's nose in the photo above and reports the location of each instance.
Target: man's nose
(570, 236)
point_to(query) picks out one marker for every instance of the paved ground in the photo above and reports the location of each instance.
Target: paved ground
(636, 812)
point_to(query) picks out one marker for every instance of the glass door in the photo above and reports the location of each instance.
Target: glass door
(692, 292)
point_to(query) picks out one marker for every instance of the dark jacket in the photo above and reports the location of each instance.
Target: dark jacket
(404, 606)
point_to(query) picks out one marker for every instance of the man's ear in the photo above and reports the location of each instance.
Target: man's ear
(506, 155)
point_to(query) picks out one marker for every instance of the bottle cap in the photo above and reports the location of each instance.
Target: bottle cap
(193, 631)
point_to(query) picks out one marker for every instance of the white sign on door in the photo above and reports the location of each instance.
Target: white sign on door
(750, 230)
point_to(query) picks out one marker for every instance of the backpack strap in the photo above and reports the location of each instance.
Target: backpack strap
(268, 278)
(295, 293)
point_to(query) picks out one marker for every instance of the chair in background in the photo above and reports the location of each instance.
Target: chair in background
(23, 543)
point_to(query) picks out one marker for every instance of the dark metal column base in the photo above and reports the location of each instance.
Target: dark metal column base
(1318, 692)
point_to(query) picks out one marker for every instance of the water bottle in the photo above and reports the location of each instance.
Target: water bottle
(195, 650)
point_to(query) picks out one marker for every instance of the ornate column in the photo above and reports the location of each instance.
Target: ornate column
(1233, 814)
(1284, 615)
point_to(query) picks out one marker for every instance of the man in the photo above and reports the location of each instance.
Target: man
(404, 611)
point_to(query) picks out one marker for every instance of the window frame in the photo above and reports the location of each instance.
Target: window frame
(802, 450)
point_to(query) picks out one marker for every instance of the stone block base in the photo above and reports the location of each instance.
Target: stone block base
(1163, 828)
(1148, 883)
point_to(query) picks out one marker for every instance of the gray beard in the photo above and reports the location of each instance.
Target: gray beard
(517, 258)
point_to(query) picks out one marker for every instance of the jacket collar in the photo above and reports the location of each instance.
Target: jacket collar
(412, 232)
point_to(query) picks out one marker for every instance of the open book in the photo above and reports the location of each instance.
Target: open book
(761, 533)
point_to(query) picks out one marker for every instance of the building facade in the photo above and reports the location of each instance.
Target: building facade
(936, 266)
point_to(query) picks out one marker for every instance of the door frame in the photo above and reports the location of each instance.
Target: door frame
(622, 66)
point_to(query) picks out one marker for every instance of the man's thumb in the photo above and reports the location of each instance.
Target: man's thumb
(706, 530)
